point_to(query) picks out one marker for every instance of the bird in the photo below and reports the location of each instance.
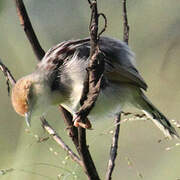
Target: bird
(59, 79)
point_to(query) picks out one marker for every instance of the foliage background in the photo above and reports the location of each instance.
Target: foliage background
(154, 37)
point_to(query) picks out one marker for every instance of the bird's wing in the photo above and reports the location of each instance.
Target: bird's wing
(119, 65)
(118, 73)
(120, 62)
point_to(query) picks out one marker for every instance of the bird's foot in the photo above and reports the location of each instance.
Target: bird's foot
(86, 125)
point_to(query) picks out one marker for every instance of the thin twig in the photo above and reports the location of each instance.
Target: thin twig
(59, 141)
(92, 89)
(114, 148)
(8, 75)
(105, 24)
(28, 29)
(125, 23)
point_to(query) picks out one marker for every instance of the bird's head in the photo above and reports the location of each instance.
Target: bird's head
(30, 96)
(21, 98)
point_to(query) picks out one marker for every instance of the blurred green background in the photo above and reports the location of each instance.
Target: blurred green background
(154, 37)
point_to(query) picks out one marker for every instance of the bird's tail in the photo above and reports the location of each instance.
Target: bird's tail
(157, 117)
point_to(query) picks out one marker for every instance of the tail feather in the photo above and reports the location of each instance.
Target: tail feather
(158, 118)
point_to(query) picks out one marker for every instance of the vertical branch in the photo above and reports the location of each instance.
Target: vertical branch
(93, 28)
(95, 70)
(85, 155)
(114, 148)
(114, 145)
(125, 23)
(28, 29)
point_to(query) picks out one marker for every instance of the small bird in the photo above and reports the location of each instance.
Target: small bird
(59, 79)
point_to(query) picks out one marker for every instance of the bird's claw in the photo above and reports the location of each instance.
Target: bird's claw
(86, 125)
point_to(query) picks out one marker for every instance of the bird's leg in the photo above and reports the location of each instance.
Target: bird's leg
(78, 123)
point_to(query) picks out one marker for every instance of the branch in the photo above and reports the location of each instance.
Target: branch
(28, 29)
(105, 24)
(68, 119)
(94, 71)
(125, 23)
(91, 90)
(8, 75)
(114, 147)
(59, 141)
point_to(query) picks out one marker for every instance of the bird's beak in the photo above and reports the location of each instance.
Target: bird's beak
(28, 119)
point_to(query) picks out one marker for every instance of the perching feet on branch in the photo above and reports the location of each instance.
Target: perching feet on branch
(86, 124)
